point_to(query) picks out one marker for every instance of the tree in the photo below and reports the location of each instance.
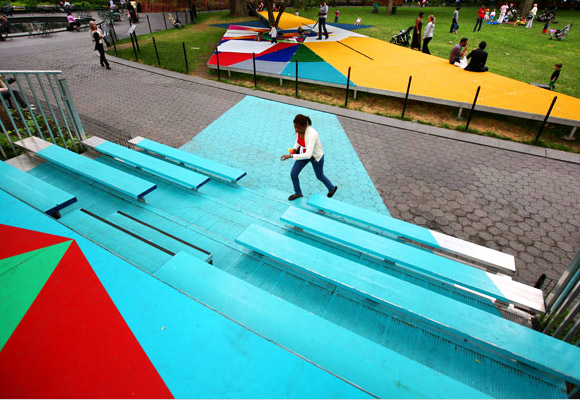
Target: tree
(390, 6)
(525, 7)
(239, 8)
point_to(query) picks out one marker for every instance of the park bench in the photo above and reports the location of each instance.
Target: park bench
(418, 262)
(488, 258)
(198, 163)
(33, 191)
(168, 171)
(493, 333)
(120, 181)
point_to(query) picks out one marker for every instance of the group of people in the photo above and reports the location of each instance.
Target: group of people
(427, 33)
(477, 58)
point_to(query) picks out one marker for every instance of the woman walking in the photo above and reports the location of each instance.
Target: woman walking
(428, 34)
(416, 42)
(307, 149)
(98, 39)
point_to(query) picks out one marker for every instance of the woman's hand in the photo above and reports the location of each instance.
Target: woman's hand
(285, 157)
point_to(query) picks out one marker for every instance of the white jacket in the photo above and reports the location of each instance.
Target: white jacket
(313, 146)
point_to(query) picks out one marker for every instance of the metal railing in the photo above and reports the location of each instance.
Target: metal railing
(38, 103)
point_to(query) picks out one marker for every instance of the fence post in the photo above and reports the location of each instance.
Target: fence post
(545, 120)
(165, 21)
(134, 49)
(347, 87)
(296, 78)
(185, 57)
(114, 32)
(406, 96)
(149, 23)
(156, 52)
(472, 107)
(136, 42)
(217, 58)
(254, 62)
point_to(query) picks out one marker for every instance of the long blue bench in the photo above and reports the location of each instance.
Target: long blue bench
(377, 370)
(489, 258)
(201, 164)
(492, 332)
(155, 166)
(33, 191)
(122, 182)
(417, 261)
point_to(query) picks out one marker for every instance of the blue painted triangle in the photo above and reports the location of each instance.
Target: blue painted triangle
(283, 55)
(318, 71)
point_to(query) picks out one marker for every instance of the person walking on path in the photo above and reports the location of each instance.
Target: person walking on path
(502, 12)
(307, 149)
(98, 39)
(322, 14)
(531, 16)
(428, 34)
(455, 22)
(416, 42)
(480, 17)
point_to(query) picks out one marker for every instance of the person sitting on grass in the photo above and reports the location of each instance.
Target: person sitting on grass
(478, 59)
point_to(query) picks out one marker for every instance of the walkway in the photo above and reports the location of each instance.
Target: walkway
(511, 197)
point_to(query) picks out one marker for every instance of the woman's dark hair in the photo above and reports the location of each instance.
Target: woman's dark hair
(421, 14)
(302, 120)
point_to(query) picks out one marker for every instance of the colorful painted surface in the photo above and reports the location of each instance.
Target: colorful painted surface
(380, 66)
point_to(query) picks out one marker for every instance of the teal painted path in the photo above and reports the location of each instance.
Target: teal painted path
(253, 135)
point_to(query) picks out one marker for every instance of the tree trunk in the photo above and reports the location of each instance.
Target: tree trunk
(390, 6)
(525, 7)
(238, 8)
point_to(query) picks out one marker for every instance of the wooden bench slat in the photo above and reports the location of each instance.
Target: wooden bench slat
(417, 260)
(130, 185)
(191, 160)
(36, 192)
(379, 371)
(155, 166)
(494, 333)
(489, 257)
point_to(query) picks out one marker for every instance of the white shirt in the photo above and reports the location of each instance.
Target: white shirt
(428, 32)
(323, 11)
(313, 146)
(534, 11)
(273, 32)
(503, 9)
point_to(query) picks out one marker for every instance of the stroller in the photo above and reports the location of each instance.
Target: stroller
(512, 13)
(560, 33)
(402, 38)
(548, 16)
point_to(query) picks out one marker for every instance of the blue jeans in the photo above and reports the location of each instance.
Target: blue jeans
(321, 27)
(318, 170)
(478, 22)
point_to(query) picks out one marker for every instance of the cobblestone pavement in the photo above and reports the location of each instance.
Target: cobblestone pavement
(522, 204)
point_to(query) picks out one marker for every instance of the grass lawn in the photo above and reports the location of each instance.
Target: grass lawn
(515, 52)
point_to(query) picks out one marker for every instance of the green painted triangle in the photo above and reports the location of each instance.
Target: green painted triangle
(22, 277)
(304, 54)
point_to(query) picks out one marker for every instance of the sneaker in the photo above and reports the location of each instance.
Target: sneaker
(330, 194)
(32, 107)
(294, 197)
(319, 38)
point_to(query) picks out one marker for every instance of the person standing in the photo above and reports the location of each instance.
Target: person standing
(416, 42)
(322, 14)
(336, 13)
(428, 34)
(502, 12)
(531, 16)
(458, 51)
(273, 34)
(480, 17)
(98, 39)
(478, 59)
(455, 22)
(555, 75)
(492, 15)
(307, 149)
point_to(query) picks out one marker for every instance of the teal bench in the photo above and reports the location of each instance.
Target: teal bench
(198, 163)
(379, 371)
(120, 181)
(490, 259)
(33, 191)
(171, 172)
(417, 261)
(489, 331)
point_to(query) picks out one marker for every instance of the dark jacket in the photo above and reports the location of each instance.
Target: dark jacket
(477, 63)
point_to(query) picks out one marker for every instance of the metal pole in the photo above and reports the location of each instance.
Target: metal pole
(136, 42)
(217, 57)
(406, 96)
(149, 23)
(545, 119)
(134, 49)
(115, 46)
(254, 62)
(296, 78)
(472, 107)
(114, 33)
(156, 52)
(347, 86)
(165, 21)
(185, 57)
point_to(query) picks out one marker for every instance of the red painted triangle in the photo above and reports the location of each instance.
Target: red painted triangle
(17, 240)
(74, 343)
(229, 58)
